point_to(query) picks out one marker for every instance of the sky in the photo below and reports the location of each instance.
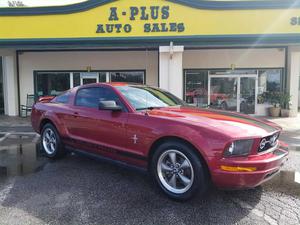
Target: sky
(4, 3)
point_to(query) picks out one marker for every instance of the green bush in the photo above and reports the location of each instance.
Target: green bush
(274, 98)
(285, 100)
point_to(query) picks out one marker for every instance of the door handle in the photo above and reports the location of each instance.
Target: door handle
(75, 114)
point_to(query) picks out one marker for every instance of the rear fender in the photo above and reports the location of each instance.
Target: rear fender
(52, 117)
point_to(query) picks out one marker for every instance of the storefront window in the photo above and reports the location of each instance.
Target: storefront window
(223, 93)
(130, 77)
(196, 82)
(102, 76)
(49, 83)
(269, 80)
(54, 83)
(76, 79)
(1, 88)
(235, 90)
(233, 72)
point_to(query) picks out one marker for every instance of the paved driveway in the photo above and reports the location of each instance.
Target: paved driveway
(79, 190)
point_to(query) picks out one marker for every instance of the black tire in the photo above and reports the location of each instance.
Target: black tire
(59, 150)
(200, 175)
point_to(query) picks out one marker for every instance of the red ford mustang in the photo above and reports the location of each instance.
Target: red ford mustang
(185, 148)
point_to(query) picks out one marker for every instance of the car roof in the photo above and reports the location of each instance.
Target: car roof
(112, 84)
(109, 84)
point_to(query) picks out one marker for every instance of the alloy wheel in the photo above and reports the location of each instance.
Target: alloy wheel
(49, 141)
(175, 171)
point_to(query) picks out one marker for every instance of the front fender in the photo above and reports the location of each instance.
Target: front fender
(208, 143)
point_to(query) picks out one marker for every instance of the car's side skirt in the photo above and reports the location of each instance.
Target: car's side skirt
(104, 149)
(107, 159)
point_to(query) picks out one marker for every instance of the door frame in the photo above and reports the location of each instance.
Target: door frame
(238, 76)
(92, 75)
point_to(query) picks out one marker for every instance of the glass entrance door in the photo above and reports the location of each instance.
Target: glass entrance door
(89, 78)
(247, 95)
(223, 93)
(233, 92)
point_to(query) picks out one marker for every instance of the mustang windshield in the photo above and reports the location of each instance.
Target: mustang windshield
(143, 97)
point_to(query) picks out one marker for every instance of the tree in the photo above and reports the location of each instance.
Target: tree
(15, 4)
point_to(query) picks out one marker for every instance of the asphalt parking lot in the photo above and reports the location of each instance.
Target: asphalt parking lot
(79, 190)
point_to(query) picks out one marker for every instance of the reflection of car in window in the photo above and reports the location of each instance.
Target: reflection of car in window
(184, 148)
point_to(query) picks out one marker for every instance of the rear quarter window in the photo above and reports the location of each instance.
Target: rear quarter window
(63, 98)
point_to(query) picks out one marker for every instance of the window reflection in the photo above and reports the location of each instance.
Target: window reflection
(196, 82)
(269, 80)
(196, 86)
(223, 93)
(130, 77)
(52, 83)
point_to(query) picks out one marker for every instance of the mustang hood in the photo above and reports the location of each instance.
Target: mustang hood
(231, 123)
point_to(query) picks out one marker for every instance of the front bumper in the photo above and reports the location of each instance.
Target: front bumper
(267, 165)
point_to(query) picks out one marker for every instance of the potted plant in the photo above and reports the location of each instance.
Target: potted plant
(285, 104)
(274, 98)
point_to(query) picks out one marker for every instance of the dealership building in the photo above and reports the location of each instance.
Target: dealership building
(228, 55)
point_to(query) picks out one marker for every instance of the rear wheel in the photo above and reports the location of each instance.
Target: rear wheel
(51, 142)
(178, 171)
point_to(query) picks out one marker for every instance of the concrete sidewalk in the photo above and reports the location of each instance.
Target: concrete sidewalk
(15, 124)
(288, 124)
(291, 130)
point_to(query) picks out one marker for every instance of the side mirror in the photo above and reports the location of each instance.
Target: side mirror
(109, 105)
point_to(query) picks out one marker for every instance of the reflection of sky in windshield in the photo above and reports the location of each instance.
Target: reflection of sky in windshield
(144, 97)
(141, 98)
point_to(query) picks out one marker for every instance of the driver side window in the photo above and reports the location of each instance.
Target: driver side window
(90, 97)
(107, 94)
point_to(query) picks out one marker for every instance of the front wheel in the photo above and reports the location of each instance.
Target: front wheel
(178, 171)
(50, 142)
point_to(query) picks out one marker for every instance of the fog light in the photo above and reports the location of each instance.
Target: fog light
(238, 169)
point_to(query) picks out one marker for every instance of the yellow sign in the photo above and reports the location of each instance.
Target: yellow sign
(150, 18)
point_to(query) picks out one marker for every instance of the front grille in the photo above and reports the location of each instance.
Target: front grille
(268, 142)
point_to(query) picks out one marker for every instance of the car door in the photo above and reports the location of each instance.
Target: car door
(98, 131)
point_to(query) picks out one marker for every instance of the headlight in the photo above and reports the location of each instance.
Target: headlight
(239, 148)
